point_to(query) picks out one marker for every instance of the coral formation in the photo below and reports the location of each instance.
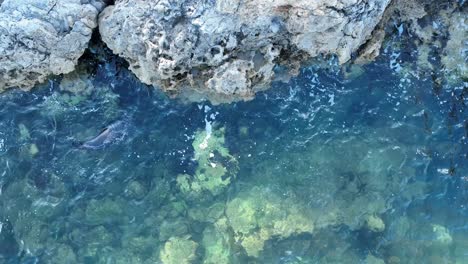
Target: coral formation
(259, 215)
(92, 243)
(442, 235)
(427, 241)
(217, 245)
(216, 168)
(63, 254)
(74, 89)
(347, 189)
(375, 223)
(28, 148)
(178, 250)
(172, 227)
(221, 50)
(204, 213)
(39, 39)
(135, 190)
(32, 210)
(371, 259)
(106, 211)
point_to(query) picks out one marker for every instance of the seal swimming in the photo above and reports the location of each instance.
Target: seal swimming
(113, 133)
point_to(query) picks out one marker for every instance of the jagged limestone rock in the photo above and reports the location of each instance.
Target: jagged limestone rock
(41, 38)
(227, 50)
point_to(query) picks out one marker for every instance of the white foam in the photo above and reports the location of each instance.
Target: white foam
(332, 99)
(400, 30)
(2, 144)
(443, 171)
(208, 128)
(394, 63)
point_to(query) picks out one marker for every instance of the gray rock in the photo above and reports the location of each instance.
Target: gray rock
(39, 38)
(227, 50)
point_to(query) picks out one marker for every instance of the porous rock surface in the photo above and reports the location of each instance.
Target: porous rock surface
(39, 38)
(227, 50)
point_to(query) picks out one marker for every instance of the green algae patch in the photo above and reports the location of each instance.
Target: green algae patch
(24, 133)
(105, 211)
(442, 235)
(179, 250)
(375, 223)
(206, 213)
(259, 215)
(74, 93)
(217, 245)
(216, 167)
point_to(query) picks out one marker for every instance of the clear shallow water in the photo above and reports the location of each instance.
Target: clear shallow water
(324, 169)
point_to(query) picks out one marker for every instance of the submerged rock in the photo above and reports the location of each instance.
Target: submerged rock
(438, 31)
(104, 211)
(375, 223)
(227, 50)
(74, 91)
(216, 167)
(217, 246)
(442, 235)
(259, 215)
(40, 38)
(180, 250)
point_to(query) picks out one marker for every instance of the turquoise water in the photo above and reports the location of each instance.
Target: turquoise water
(358, 165)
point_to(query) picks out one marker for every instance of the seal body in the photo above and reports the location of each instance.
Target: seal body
(115, 132)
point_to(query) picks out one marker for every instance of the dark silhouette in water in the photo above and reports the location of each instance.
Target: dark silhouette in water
(113, 133)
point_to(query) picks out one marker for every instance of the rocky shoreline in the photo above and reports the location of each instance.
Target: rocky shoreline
(39, 39)
(222, 51)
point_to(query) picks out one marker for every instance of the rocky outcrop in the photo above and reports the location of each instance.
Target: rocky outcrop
(39, 38)
(227, 50)
(220, 50)
(438, 31)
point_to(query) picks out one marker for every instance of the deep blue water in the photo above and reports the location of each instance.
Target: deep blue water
(323, 169)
